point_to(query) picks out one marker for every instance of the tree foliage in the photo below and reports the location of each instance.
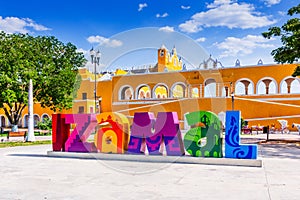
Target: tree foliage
(52, 66)
(46, 124)
(290, 38)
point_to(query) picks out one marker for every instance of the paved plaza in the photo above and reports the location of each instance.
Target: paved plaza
(27, 173)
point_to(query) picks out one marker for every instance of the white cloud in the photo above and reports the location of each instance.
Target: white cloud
(190, 27)
(19, 25)
(105, 41)
(281, 13)
(80, 50)
(185, 7)
(233, 46)
(270, 3)
(201, 39)
(167, 29)
(217, 3)
(162, 16)
(226, 13)
(142, 6)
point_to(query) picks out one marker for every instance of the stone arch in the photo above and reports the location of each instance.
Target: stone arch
(210, 87)
(267, 85)
(3, 121)
(25, 121)
(195, 92)
(295, 86)
(244, 86)
(178, 90)
(143, 92)
(160, 90)
(290, 85)
(223, 91)
(36, 119)
(45, 116)
(126, 92)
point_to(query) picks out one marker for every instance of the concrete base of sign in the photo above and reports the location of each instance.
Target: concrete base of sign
(159, 159)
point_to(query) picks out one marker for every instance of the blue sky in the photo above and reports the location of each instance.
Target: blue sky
(128, 32)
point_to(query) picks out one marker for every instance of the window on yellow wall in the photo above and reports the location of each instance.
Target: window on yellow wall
(84, 96)
(81, 109)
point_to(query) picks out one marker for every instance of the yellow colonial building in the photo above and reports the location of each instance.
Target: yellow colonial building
(263, 93)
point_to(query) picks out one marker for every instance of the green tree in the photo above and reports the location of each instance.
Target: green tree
(290, 38)
(52, 66)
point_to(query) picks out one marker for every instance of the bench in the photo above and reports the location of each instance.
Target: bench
(16, 134)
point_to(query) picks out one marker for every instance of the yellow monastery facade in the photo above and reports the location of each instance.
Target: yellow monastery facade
(263, 93)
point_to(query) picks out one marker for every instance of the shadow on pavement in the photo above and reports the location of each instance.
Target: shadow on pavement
(28, 155)
(275, 148)
(270, 149)
(279, 151)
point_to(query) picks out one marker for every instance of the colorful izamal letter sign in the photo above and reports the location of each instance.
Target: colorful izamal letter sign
(113, 133)
(203, 139)
(233, 148)
(166, 130)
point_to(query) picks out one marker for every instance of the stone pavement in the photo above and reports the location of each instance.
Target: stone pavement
(27, 173)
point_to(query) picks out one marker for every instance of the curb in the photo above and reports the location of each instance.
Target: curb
(159, 159)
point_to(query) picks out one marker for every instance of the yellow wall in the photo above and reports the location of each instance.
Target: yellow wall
(253, 107)
(104, 89)
(87, 86)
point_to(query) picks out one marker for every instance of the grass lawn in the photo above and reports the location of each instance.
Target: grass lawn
(20, 143)
(35, 133)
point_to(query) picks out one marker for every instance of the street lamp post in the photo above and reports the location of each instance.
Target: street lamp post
(232, 95)
(232, 100)
(95, 59)
(30, 135)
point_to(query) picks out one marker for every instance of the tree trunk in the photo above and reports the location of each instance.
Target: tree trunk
(14, 113)
(14, 128)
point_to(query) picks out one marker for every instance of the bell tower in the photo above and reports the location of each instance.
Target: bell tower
(162, 58)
